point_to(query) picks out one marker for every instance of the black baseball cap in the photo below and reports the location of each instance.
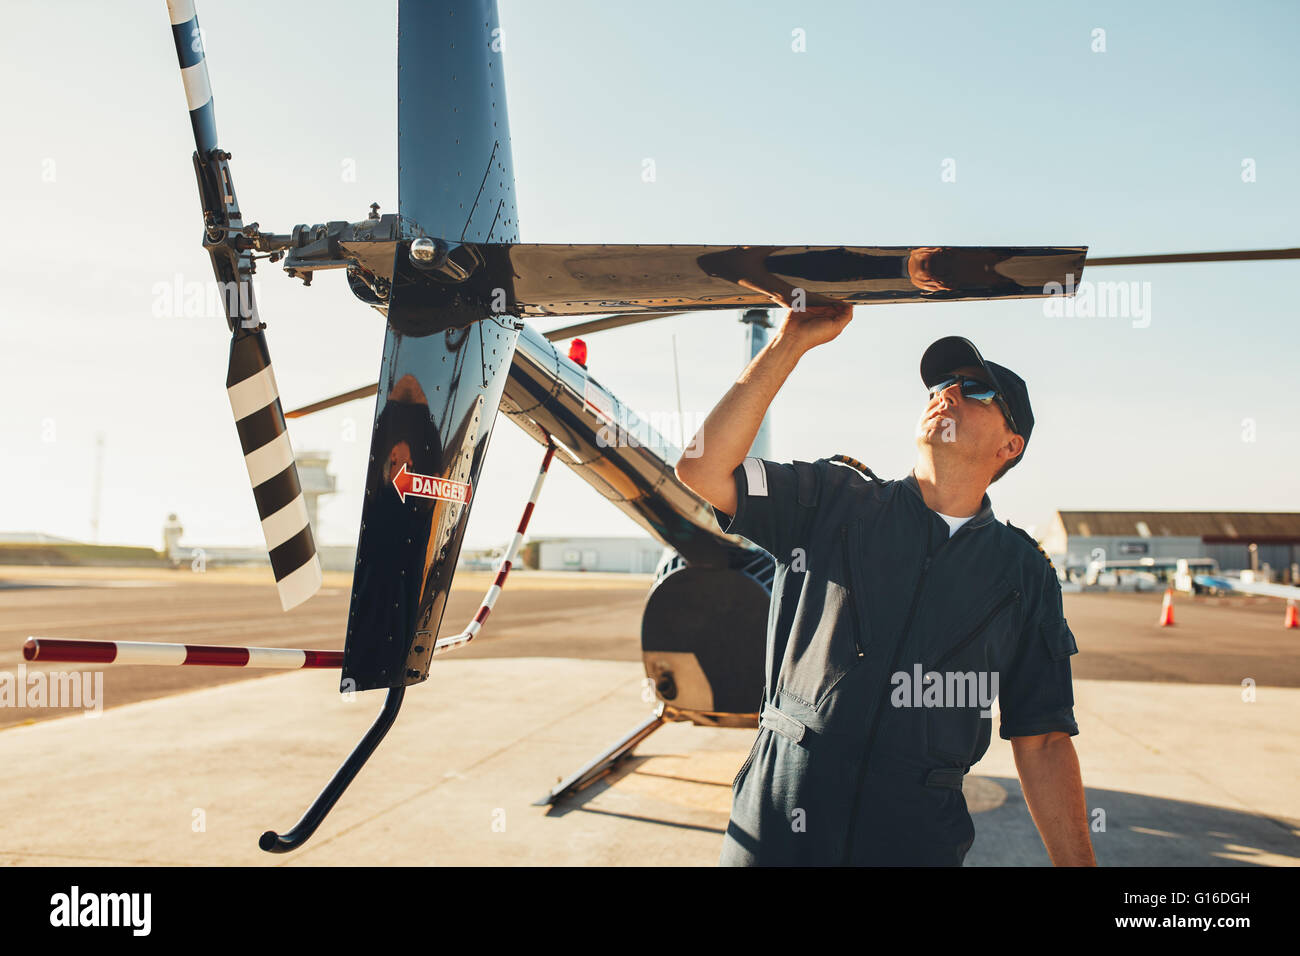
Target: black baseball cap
(953, 352)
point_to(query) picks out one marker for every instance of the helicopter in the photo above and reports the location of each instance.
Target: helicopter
(456, 288)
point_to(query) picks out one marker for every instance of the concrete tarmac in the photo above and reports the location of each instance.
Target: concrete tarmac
(1181, 767)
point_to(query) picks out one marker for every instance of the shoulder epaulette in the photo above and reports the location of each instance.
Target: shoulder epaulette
(1034, 541)
(857, 466)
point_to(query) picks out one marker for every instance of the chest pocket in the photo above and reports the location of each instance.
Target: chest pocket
(830, 638)
(956, 733)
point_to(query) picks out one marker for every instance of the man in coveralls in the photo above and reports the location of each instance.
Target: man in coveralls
(899, 610)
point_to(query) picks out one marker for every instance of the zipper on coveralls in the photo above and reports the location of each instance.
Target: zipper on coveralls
(979, 629)
(852, 585)
(875, 722)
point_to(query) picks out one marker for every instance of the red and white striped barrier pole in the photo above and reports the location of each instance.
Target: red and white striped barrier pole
(69, 650)
(445, 644)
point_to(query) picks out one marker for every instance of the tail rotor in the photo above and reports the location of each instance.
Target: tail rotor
(250, 382)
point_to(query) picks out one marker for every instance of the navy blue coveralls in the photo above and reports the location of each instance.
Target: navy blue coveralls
(870, 594)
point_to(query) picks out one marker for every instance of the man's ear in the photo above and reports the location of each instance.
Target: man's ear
(1016, 443)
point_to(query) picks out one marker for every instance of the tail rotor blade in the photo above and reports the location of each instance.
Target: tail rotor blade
(194, 73)
(264, 438)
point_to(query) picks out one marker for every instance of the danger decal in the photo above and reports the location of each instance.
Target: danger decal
(430, 486)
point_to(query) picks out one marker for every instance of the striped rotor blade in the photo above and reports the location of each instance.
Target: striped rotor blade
(264, 438)
(194, 73)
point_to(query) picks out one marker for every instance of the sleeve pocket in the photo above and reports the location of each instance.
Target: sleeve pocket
(1059, 638)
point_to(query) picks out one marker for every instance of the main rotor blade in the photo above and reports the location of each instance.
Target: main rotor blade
(365, 391)
(1244, 255)
(608, 322)
(568, 332)
(632, 318)
(548, 279)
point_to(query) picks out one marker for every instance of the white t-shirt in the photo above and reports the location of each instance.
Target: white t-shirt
(953, 523)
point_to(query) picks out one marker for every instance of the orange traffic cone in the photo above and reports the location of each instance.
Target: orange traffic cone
(1167, 608)
(1292, 619)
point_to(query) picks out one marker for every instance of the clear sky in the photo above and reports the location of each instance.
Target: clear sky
(1136, 149)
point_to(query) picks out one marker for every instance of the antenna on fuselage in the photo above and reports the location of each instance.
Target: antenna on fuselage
(757, 322)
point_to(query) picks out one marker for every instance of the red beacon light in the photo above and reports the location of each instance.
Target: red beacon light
(578, 352)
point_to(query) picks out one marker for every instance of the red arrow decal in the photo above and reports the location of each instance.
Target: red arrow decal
(430, 486)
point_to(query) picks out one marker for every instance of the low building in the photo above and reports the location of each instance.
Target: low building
(635, 555)
(1237, 540)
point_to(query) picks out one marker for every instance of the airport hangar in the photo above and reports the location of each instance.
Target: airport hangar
(1237, 540)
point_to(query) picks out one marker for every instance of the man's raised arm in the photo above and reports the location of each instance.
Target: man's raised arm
(727, 434)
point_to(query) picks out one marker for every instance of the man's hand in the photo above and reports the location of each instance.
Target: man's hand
(726, 436)
(1049, 776)
(812, 325)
